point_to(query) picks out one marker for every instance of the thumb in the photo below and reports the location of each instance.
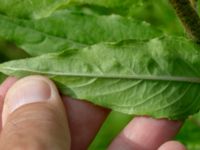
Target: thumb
(34, 117)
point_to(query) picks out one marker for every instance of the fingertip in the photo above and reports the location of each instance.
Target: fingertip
(172, 145)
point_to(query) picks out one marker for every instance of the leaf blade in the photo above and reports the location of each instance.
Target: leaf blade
(39, 36)
(84, 75)
(39, 9)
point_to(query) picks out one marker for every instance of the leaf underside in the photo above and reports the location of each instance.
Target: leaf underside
(134, 77)
(135, 73)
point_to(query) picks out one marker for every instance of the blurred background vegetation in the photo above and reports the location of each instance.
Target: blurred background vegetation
(161, 15)
(9, 51)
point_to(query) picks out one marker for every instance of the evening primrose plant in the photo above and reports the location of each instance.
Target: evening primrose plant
(97, 50)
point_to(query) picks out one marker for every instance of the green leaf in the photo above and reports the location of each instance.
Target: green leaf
(39, 9)
(30, 8)
(107, 3)
(69, 30)
(2, 77)
(198, 7)
(9, 51)
(158, 77)
(190, 135)
(113, 124)
(160, 14)
(119, 6)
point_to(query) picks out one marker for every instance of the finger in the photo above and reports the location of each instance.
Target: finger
(3, 90)
(85, 119)
(34, 117)
(144, 133)
(172, 145)
(6, 85)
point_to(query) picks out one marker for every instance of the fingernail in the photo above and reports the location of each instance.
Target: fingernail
(28, 91)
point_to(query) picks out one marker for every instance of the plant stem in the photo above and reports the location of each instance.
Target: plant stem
(194, 4)
(188, 17)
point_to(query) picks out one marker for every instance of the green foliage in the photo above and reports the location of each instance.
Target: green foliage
(99, 50)
(43, 8)
(159, 14)
(114, 123)
(8, 51)
(2, 77)
(39, 36)
(190, 133)
(30, 8)
(107, 3)
(154, 77)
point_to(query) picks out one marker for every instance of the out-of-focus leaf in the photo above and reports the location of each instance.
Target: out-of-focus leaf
(69, 30)
(159, 13)
(108, 3)
(117, 6)
(114, 123)
(30, 8)
(38, 9)
(2, 77)
(198, 6)
(190, 135)
(158, 77)
(9, 51)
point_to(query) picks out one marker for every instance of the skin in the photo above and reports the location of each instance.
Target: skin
(63, 123)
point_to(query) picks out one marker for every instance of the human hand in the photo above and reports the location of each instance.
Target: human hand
(34, 117)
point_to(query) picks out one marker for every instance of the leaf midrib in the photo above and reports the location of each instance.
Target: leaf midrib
(36, 30)
(110, 76)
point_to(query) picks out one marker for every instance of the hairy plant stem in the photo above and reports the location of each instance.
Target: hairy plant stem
(188, 17)
(194, 3)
